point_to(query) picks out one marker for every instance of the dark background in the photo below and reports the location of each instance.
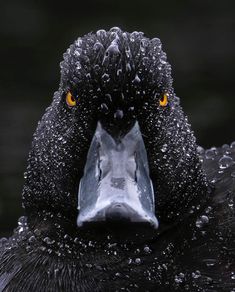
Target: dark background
(197, 35)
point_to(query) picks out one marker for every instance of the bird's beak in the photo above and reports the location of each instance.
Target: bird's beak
(116, 185)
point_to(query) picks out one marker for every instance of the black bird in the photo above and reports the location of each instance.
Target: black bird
(117, 194)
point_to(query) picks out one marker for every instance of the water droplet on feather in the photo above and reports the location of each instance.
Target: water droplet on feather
(225, 162)
(202, 221)
(211, 153)
(164, 148)
(196, 274)
(232, 145)
(138, 261)
(179, 278)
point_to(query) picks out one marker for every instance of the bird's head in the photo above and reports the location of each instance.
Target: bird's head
(114, 143)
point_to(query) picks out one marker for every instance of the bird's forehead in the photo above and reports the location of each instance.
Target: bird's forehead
(110, 61)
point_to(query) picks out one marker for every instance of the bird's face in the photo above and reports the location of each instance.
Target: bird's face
(116, 185)
(114, 144)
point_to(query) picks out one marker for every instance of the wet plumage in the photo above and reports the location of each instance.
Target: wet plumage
(117, 78)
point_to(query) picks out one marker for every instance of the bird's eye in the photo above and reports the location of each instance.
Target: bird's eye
(164, 100)
(70, 100)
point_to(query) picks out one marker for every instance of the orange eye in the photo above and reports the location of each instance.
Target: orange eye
(164, 100)
(70, 99)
